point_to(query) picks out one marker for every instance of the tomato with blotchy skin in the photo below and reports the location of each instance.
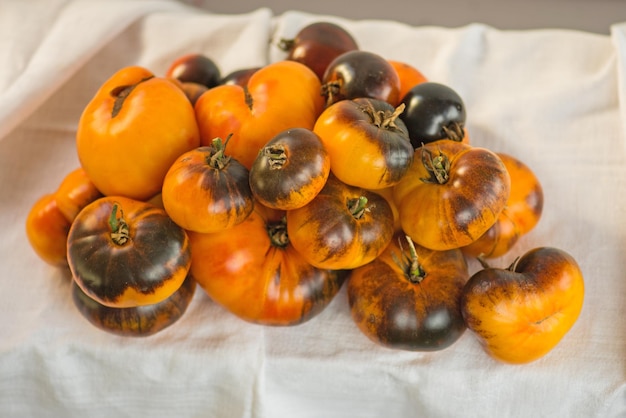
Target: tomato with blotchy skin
(124, 253)
(49, 219)
(342, 228)
(206, 190)
(452, 194)
(136, 321)
(368, 145)
(521, 213)
(254, 272)
(317, 44)
(131, 132)
(279, 96)
(409, 297)
(290, 170)
(519, 314)
(355, 74)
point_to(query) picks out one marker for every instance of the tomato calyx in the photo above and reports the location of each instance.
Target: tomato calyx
(277, 231)
(437, 166)
(120, 232)
(383, 119)
(218, 159)
(330, 90)
(121, 93)
(454, 131)
(409, 263)
(276, 156)
(285, 44)
(358, 206)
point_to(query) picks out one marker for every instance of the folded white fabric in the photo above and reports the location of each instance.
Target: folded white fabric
(553, 98)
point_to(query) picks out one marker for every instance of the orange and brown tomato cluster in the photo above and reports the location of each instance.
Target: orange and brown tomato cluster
(270, 187)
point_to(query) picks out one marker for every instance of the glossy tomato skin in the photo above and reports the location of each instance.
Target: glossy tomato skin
(409, 76)
(137, 321)
(290, 170)
(408, 307)
(522, 312)
(455, 209)
(75, 191)
(47, 229)
(126, 253)
(317, 44)
(254, 272)
(131, 132)
(520, 215)
(279, 96)
(205, 191)
(368, 145)
(195, 68)
(355, 74)
(334, 232)
(433, 111)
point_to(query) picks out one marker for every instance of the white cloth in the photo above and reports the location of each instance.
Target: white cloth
(556, 99)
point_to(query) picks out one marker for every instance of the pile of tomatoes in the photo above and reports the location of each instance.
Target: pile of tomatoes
(270, 187)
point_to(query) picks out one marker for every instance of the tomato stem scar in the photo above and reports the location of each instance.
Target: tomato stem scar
(121, 93)
(358, 206)
(120, 233)
(437, 166)
(276, 156)
(277, 232)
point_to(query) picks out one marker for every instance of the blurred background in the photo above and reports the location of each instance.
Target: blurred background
(587, 15)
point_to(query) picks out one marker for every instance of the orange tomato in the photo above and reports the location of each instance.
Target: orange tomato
(279, 96)
(409, 76)
(47, 229)
(75, 192)
(131, 132)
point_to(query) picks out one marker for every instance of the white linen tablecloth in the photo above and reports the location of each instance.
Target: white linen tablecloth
(556, 99)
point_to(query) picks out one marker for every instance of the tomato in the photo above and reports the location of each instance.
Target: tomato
(290, 170)
(409, 76)
(522, 212)
(254, 272)
(317, 44)
(239, 77)
(125, 253)
(519, 314)
(434, 111)
(409, 297)
(136, 321)
(279, 96)
(49, 219)
(205, 190)
(47, 229)
(452, 194)
(195, 68)
(131, 132)
(342, 228)
(368, 145)
(355, 74)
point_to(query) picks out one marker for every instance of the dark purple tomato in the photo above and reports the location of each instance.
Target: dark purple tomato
(433, 111)
(355, 74)
(239, 77)
(195, 68)
(317, 44)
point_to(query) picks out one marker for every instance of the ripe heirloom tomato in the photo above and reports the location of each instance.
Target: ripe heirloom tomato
(317, 44)
(342, 228)
(279, 96)
(355, 74)
(253, 271)
(206, 191)
(239, 77)
(409, 76)
(452, 194)
(290, 170)
(195, 68)
(368, 145)
(521, 213)
(136, 321)
(409, 297)
(124, 253)
(521, 313)
(131, 132)
(49, 219)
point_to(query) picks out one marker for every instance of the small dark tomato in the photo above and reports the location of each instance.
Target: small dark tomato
(433, 111)
(290, 170)
(195, 68)
(355, 74)
(239, 77)
(317, 44)
(409, 297)
(137, 321)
